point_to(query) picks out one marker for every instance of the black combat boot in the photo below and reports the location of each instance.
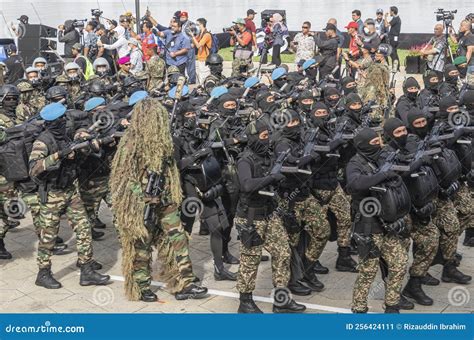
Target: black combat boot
(403, 303)
(290, 307)
(469, 238)
(191, 292)
(392, 309)
(4, 254)
(96, 235)
(344, 262)
(247, 305)
(222, 274)
(299, 288)
(97, 223)
(95, 265)
(452, 274)
(429, 280)
(45, 279)
(148, 296)
(319, 268)
(204, 230)
(89, 277)
(414, 291)
(229, 258)
(59, 240)
(310, 278)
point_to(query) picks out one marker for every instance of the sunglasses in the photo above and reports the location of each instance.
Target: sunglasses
(305, 27)
(128, 64)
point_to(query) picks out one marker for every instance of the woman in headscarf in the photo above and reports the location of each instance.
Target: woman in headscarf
(279, 30)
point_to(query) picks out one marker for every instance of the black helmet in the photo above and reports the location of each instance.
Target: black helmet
(97, 88)
(55, 93)
(214, 59)
(9, 91)
(130, 81)
(385, 50)
(131, 85)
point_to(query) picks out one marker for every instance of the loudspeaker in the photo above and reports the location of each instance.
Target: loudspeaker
(39, 31)
(39, 44)
(30, 55)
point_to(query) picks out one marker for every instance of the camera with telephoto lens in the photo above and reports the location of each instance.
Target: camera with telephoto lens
(228, 29)
(95, 12)
(446, 16)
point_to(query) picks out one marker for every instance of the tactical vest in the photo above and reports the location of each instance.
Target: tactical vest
(89, 72)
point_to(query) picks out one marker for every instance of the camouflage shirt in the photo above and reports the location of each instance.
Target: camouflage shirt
(156, 72)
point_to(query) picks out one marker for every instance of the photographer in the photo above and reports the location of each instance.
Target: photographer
(241, 38)
(465, 41)
(121, 44)
(328, 49)
(394, 33)
(203, 43)
(68, 35)
(90, 40)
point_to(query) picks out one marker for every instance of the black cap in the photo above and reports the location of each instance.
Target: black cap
(330, 27)
(114, 22)
(23, 18)
(251, 11)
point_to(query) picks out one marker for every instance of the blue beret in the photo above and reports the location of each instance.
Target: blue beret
(136, 97)
(278, 72)
(252, 81)
(93, 103)
(308, 63)
(184, 92)
(52, 111)
(219, 91)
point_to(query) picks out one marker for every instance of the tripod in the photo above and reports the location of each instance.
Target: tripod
(447, 25)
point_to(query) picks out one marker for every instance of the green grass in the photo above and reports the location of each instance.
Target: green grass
(226, 53)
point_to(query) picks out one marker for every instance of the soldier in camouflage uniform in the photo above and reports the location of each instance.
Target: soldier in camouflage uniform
(128, 181)
(9, 95)
(259, 226)
(54, 164)
(101, 71)
(37, 100)
(215, 63)
(155, 67)
(73, 72)
(25, 109)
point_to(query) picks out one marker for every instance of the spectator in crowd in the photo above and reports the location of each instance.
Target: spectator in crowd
(354, 43)
(242, 40)
(125, 65)
(105, 38)
(328, 50)
(136, 56)
(250, 25)
(435, 51)
(380, 25)
(465, 41)
(68, 35)
(340, 46)
(393, 35)
(279, 31)
(356, 17)
(203, 43)
(186, 25)
(90, 40)
(303, 43)
(15, 67)
(370, 35)
(120, 45)
(147, 39)
(177, 46)
(83, 62)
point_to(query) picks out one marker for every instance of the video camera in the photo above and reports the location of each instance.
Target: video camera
(77, 23)
(95, 12)
(446, 16)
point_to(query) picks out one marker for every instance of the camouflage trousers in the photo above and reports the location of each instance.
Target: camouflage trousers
(276, 243)
(92, 193)
(237, 63)
(32, 201)
(177, 241)
(58, 203)
(464, 203)
(394, 252)
(340, 205)
(425, 246)
(447, 221)
(6, 194)
(315, 223)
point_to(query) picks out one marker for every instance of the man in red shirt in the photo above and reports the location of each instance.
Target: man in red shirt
(147, 39)
(353, 43)
(250, 25)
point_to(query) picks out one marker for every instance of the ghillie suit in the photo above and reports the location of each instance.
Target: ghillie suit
(376, 88)
(147, 146)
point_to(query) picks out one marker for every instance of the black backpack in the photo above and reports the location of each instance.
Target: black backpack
(395, 201)
(447, 167)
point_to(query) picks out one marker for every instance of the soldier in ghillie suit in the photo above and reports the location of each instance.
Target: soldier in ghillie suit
(147, 147)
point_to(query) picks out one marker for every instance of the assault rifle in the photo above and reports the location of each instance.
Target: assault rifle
(154, 188)
(277, 167)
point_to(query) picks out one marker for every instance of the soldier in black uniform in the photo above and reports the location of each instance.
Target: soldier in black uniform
(215, 63)
(408, 100)
(449, 87)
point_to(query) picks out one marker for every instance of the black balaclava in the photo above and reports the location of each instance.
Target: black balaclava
(57, 128)
(216, 69)
(410, 82)
(351, 99)
(468, 100)
(428, 85)
(444, 104)
(330, 91)
(311, 72)
(263, 104)
(294, 132)
(189, 123)
(462, 71)
(344, 82)
(10, 103)
(319, 121)
(453, 80)
(257, 145)
(305, 95)
(391, 125)
(363, 146)
(280, 82)
(220, 106)
(414, 114)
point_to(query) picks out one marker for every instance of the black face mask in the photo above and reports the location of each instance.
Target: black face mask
(363, 146)
(268, 107)
(433, 87)
(412, 95)
(320, 121)
(259, 146)
(57, 128)
(216, 69)
(280, 82)
(355, 113)
(348, 90)
(453, 80)
(189, 123)
(331, 102)
(10, 103)
(227, 112)
(401, 141)
(312, 72)
(422, 132)
(306, 107)
(293, 132)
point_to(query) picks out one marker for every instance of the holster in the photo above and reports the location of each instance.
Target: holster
(366, 246)
(423, 215)
(248, 233)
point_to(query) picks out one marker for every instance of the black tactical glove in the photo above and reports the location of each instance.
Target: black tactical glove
(202, 153)
(64, 152)
(277, 177)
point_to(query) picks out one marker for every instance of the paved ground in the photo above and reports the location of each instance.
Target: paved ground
(18, 293)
